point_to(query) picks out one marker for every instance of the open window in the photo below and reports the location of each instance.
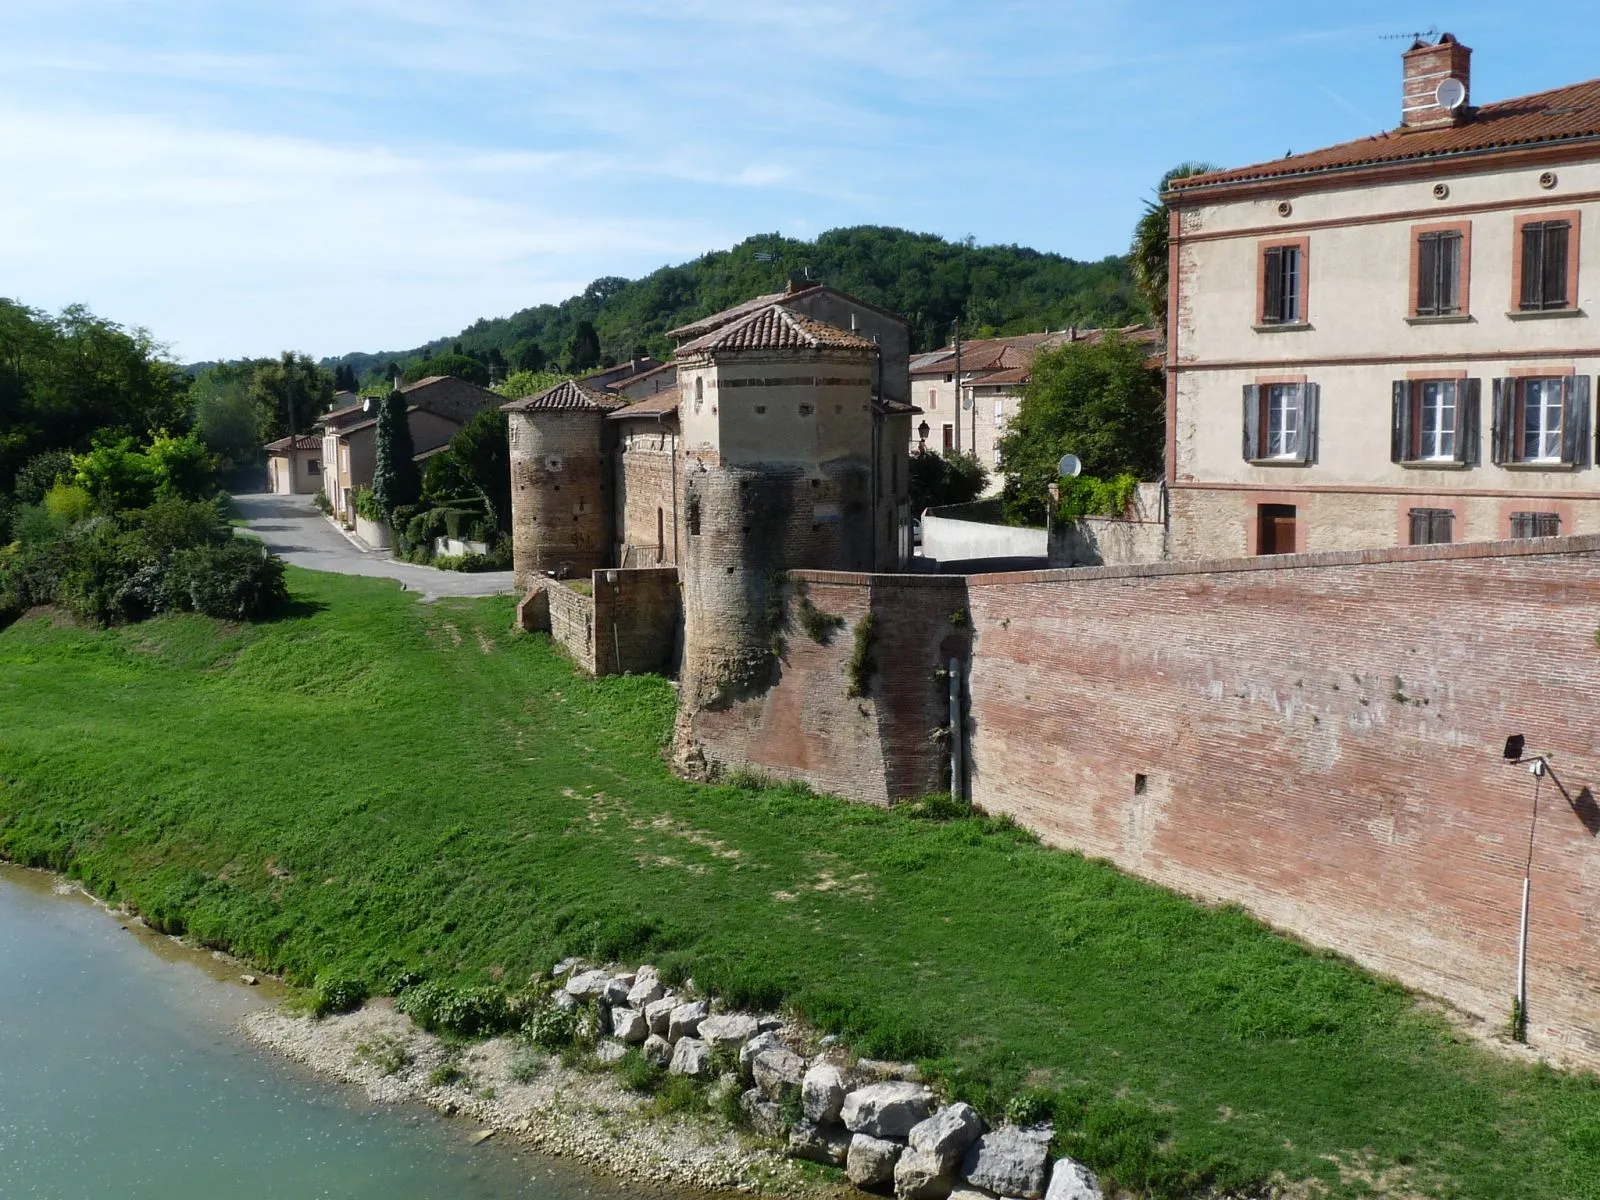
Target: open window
(1280, 422)
(1435, 422)
(1282, 277)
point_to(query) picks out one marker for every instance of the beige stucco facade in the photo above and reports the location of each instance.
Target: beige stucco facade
(1356, 337)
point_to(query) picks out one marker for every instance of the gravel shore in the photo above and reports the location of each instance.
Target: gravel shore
(561, 1110)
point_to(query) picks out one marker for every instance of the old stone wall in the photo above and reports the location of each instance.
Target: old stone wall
(881, 745)
(572, 625)
(637, 615)
(1138, 536)
(647, 496)
(560, 493)
(1319, 738)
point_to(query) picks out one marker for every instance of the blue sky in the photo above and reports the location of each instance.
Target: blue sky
(333, 175)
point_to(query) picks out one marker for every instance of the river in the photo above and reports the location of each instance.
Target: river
(123, 1073)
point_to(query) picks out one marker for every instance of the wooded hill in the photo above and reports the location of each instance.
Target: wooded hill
(933, 282)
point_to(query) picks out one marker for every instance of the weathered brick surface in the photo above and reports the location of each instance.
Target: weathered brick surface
(1319, 739)
(647, 495)
(560, 492)
(637, 616)
(875, 748)
(572, 623)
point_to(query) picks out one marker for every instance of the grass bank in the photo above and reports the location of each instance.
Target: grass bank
(378, 786)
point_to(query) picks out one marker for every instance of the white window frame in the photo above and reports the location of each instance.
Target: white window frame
(999, 412)
(1542, 435)
(1285, 420)
(1438, 419)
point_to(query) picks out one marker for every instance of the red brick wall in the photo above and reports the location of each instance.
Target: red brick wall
(647, 497)
(637, 615)
(1319, 738)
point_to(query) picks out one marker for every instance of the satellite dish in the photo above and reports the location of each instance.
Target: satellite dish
(1069, 466)
(1450, 94)
(366, 404)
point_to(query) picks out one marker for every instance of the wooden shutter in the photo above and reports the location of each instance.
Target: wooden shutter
(1272, 306)
(1532, 261)
(1252, 421)
(1448, 287)
(1419, 527)
(1503, 431)
(1469, 422)
(1400, 423)
(1546, 524)
(1428, 298)
(1575, 420)
(1553, 272)
(1310, 409)
(1522, 524)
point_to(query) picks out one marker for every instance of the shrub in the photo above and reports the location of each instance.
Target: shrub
(861, 665)
(819, 626)
(554, 1028)
(239, 581)
(640, 1074)
(366, 505)
(334, 992)
(41, 473)
(527, 1064)
(324, 505)
(68, 503)
(495, 560)
(470, 1012)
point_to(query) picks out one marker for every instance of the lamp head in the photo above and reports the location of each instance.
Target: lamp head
(1514, 746)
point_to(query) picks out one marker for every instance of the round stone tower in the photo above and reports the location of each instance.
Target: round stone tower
(777, 421)
(560, 481)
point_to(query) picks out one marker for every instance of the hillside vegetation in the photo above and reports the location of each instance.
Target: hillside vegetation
(928, 280)
(376, 788)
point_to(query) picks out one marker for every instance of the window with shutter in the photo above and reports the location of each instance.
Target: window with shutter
(1439, 273)
(1544, 265)
(1538, 434)
(1535, 524)
(1280, 297)
(1431, 526)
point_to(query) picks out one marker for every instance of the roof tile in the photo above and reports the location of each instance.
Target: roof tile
(775, 327)
(570, 395)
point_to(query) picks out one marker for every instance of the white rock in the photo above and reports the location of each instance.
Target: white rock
(658, 1014)
(870, 1161)
(587, 984)
(886, 1109)
(819, 1143)
(822, 1093)
(629, 1025)
(658, 1050)
(881, 1071)
(1010, 1161)
(562, 967)
(734, 1029)
(615, 992)
(685, 1019)
(646, 989)
(921, 1176)
(626, 978)
(564, 1000)
(1071, 1180)
(610, 1050)
(769, 1024)
(756, 1045)
(947, 1134)
(778, 1072)
(764, 1116)
(691, 1057)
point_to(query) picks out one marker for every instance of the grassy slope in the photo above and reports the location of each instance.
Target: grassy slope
(381, 784)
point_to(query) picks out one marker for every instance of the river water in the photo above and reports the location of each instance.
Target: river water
(122, 1073)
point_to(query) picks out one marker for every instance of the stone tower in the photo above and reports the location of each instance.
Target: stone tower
(776, 410)
(560, 481)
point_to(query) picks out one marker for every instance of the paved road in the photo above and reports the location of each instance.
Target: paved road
(292, 527)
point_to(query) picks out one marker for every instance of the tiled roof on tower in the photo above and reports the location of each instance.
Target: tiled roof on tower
(568, 394)
(775, 327)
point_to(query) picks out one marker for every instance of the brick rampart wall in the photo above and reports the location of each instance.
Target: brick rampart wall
(572, 623)
(877, 747)
(646, 494)
(637, 615)
(1318, 738)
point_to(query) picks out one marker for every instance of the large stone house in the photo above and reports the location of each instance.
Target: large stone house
(1391, 341)
(805, 420)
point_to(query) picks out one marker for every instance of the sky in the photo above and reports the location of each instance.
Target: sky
(242, 178)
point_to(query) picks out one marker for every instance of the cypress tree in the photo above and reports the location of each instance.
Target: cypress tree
(396, 482)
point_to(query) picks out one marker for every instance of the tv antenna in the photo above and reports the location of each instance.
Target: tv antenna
(1420, 35)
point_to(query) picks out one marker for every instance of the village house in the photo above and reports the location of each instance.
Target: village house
(436, 408)
(294, 465)
(1391, 341)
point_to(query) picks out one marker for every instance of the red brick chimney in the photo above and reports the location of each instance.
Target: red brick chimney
(1427, 67)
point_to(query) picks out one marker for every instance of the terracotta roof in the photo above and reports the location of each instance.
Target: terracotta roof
(627, 381)
(659, 405)
(303, 442)
(335, 415)
(775, 327)
(1564, 114)
(705, 325)
(569, 395)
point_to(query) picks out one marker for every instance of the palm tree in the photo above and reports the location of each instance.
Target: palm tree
(1149, 249)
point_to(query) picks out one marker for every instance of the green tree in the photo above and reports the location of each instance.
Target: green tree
(291, 390)
(583, 351)
(1102, 401)
(1148, 254)
(41, 473)
(528, 356)
(528, 383)
(184, 468)
(935, 479)
(116, 474)
(476, 466)
(344, 378)
(232, 418)
(461, 366)
(396, 481)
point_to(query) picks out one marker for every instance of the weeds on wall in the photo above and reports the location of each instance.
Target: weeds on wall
(859, 670)
(819, 626)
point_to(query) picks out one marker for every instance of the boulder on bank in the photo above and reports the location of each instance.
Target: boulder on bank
(684, 1020)
(658, 1014)
(870, 1161)
(946, 1136)
(587, 985)
(615, 992)
(691, 1057)
(1010, 1161)
(646, 989)
(921, 1176)
(819, 1143)
(877, 1070)
(764, 1116)
(757, 1045)
(629, 1026)
(658, 1050)
(778, 1072)
(822, 1094)
(729, 1029)
(886, 1109)
(1070, 1180)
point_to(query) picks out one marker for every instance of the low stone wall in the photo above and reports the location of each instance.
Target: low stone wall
(457, 546)
(374, 533)
(1138, 536)
(638, 618)
(572, 622)
(882, 745)
(958, 533)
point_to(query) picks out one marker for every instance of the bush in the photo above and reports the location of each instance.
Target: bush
(68, 503)
(239, 581)
(333, 992)
(366, 505)
(41, 473)
(496, 560)
(324, 505)
(469, 1012)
